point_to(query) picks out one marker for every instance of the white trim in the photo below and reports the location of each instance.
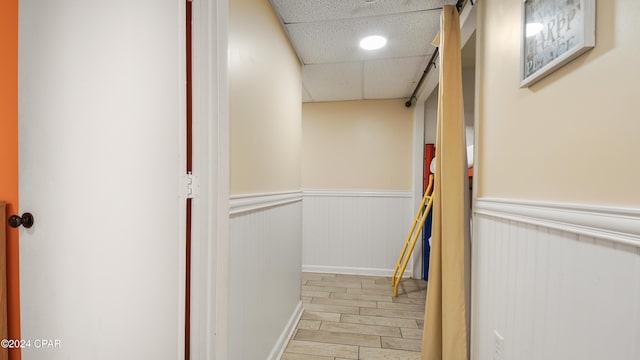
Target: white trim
(353, 270)
(283, 340)
(621, 225)
(210, 215)
(250, 202)
(357, 193)
(415, 263)
(182, 166)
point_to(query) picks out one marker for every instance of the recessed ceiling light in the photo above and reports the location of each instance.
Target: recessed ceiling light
(533, 28)
(373, 42)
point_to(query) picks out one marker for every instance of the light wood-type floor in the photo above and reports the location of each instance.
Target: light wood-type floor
(357, 317)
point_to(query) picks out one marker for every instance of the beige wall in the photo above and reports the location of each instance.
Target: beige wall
(575, 135)
(357, 145)
(265, 101)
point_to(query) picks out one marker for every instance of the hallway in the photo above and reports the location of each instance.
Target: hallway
(356, 317)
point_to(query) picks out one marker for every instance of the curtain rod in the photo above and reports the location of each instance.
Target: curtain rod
(432, 62)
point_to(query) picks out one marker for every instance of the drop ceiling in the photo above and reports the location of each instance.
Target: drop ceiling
(325, 34)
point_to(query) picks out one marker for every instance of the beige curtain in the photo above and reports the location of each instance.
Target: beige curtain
(445, 329)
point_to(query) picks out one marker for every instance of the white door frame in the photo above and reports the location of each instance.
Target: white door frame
(415, 263)
(210, 213)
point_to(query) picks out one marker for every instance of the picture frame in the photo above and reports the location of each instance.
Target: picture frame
(554, 33)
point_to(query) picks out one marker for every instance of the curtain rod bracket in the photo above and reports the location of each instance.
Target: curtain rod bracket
(459, 6)
(410, 101)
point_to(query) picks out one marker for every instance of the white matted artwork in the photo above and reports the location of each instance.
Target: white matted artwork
(554, 32)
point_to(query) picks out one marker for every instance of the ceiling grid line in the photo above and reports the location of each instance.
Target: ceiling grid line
(359, 17)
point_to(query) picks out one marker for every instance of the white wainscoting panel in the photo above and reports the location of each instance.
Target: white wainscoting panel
(355, 232)
(265, 264)
(557, 281)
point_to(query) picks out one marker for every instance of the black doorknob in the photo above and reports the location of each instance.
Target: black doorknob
(25, 220)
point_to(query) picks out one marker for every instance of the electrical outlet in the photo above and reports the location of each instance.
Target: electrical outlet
(498, 352)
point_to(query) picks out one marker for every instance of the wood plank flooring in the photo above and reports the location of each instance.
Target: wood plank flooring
(357, 317)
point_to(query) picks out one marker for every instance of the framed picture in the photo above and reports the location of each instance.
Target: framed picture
(554, 32)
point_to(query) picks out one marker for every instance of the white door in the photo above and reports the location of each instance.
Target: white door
(101, 139)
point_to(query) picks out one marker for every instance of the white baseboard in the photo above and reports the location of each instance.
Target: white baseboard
(283, 340)
(352, 270)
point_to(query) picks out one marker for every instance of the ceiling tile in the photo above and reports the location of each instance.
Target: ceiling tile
(296, 11)
(325, 35)
(337, 40)
(333, 82)
(392, 78)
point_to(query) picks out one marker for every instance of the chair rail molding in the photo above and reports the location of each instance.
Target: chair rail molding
(615, 224)
(249, 202)
(356, 193)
